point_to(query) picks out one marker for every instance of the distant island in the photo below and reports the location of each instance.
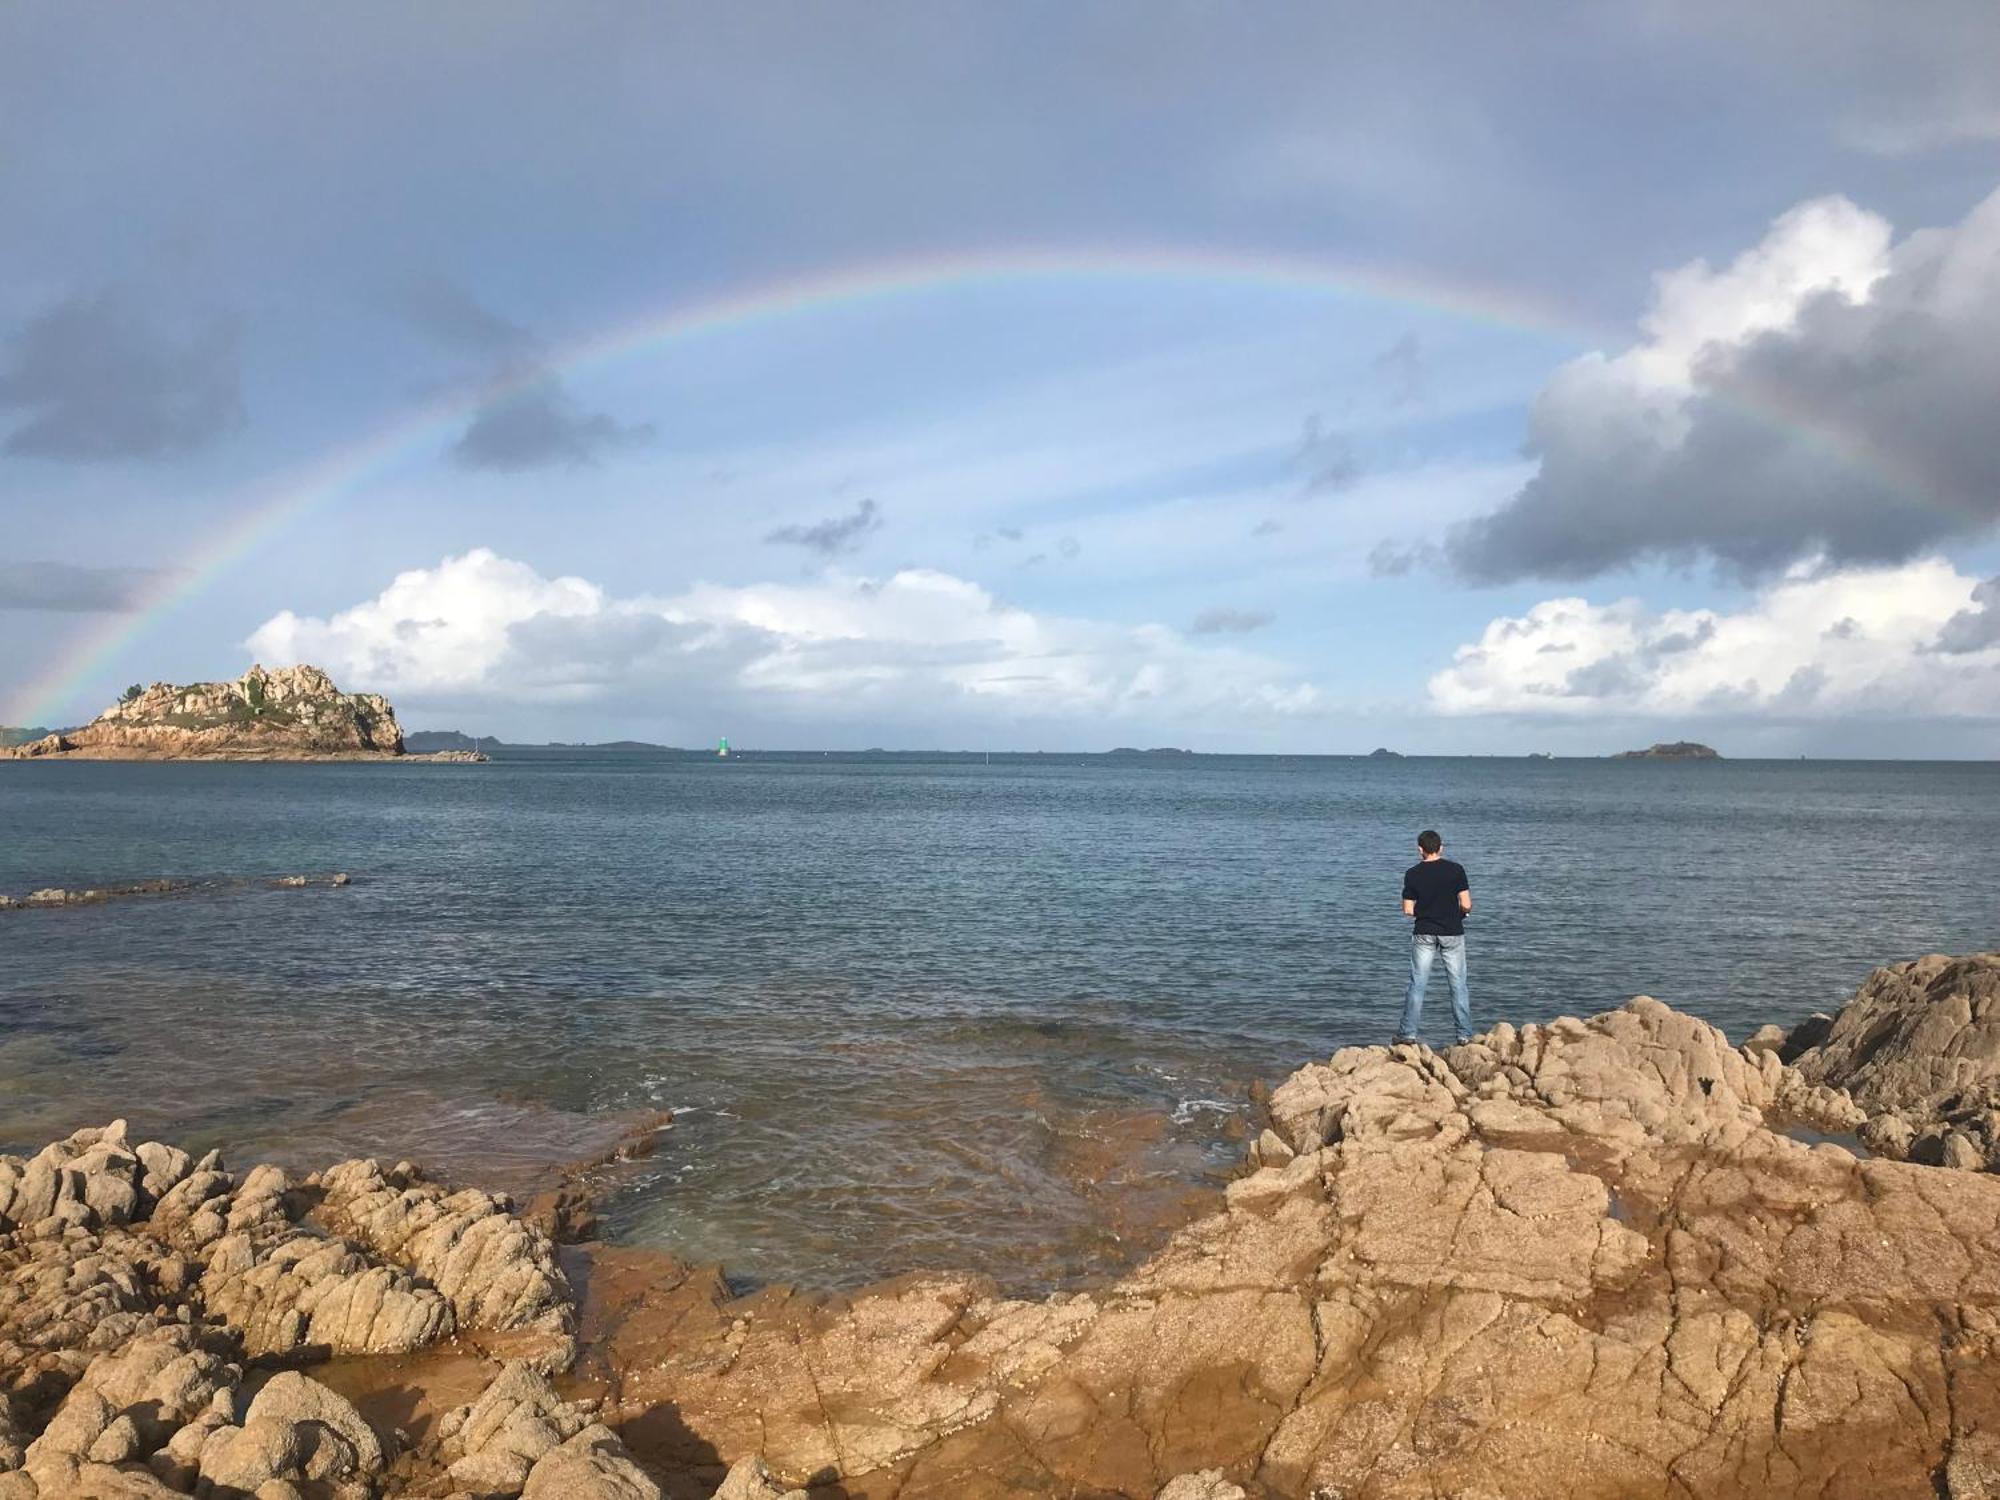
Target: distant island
(1158, 750)
(1678, 750)
(292, 713)
(1381, 753)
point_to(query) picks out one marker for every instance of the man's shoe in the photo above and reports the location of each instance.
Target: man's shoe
(1464, 1041)
(1404, 1041)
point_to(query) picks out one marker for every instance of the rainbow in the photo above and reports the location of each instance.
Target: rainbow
(272, 505)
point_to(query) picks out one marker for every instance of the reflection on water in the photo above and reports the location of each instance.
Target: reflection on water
(998, 1017)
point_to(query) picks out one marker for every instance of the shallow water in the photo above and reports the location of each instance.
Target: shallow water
(916, 1012)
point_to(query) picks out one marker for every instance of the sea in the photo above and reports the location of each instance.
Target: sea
(1001, 1014)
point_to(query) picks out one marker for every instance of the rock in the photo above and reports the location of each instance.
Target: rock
(593, 1465)
(751, 1479)
(291, 880)
(342, 878)
(496, 1272)
(1766, 1039)
(498, 1439)
(247, 1457)
(1960, 1153)
(1206, 1484)
(292, 1397)
(1920, 1041)
(293, 713)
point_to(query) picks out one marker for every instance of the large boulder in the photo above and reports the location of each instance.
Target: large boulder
(1918, 1048)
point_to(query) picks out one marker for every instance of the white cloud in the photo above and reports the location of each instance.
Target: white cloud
(1855, 642)
(915, 648)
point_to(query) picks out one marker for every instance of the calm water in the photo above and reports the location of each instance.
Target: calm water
(913, 1012)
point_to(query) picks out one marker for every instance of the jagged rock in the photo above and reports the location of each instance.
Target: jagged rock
(1920, 1044)
(497, 1272)
(492, 1445)
(310, 1291)
(342, 1445)
(593, 1465)
(751, 1479)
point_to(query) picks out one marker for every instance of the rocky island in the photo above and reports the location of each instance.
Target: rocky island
(292, 713)
(1677, 750)
(1605, 1257)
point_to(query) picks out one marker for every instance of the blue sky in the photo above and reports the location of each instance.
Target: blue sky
(1638, 386)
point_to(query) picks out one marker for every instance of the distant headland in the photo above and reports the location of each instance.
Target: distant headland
(292, 713)
(1678, 750)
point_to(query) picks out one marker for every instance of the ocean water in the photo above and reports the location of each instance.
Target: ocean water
(910, 1012)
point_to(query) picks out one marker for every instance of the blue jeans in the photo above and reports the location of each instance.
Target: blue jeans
(1425, 950)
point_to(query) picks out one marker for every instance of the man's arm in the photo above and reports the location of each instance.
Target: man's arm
(1464, 901)
(1409, 907)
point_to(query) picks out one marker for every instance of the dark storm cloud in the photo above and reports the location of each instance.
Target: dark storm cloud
(102, 377)
(526, 417)
(1225, 621)
(834, 535)
(1863, 433)
(68, 587)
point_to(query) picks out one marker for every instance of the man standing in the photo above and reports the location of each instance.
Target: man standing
(1435, 893)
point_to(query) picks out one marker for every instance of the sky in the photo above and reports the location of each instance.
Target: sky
(1289, 378)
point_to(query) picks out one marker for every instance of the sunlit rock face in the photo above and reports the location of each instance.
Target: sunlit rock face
(287, 713)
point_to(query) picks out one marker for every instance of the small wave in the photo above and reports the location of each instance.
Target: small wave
(1187, 1109)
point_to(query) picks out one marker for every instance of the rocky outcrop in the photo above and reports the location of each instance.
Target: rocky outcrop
(1919, 1050)
(1580, 1259)
(1587, 1258)
(521, 1438)
(149, 1301)
(291, 713)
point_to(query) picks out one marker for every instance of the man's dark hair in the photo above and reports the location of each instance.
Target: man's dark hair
(1429, 842)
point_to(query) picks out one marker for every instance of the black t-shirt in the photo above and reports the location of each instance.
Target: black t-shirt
(1434, 886)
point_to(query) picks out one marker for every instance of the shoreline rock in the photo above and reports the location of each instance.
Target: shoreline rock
(1580, 1258)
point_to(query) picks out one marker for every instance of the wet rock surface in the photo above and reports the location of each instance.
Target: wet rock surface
(1586, 1258)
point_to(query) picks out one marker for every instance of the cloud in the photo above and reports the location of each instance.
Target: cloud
(1388, 559)
(1401, 369)
(100, 377)
(525, 416)
(69, 587)
(1226, 621)
(1327, 459)
(1974, 628)
(834, 535)
(1817, 643)
(1830, 393)
(917, 648)
(535, 424)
